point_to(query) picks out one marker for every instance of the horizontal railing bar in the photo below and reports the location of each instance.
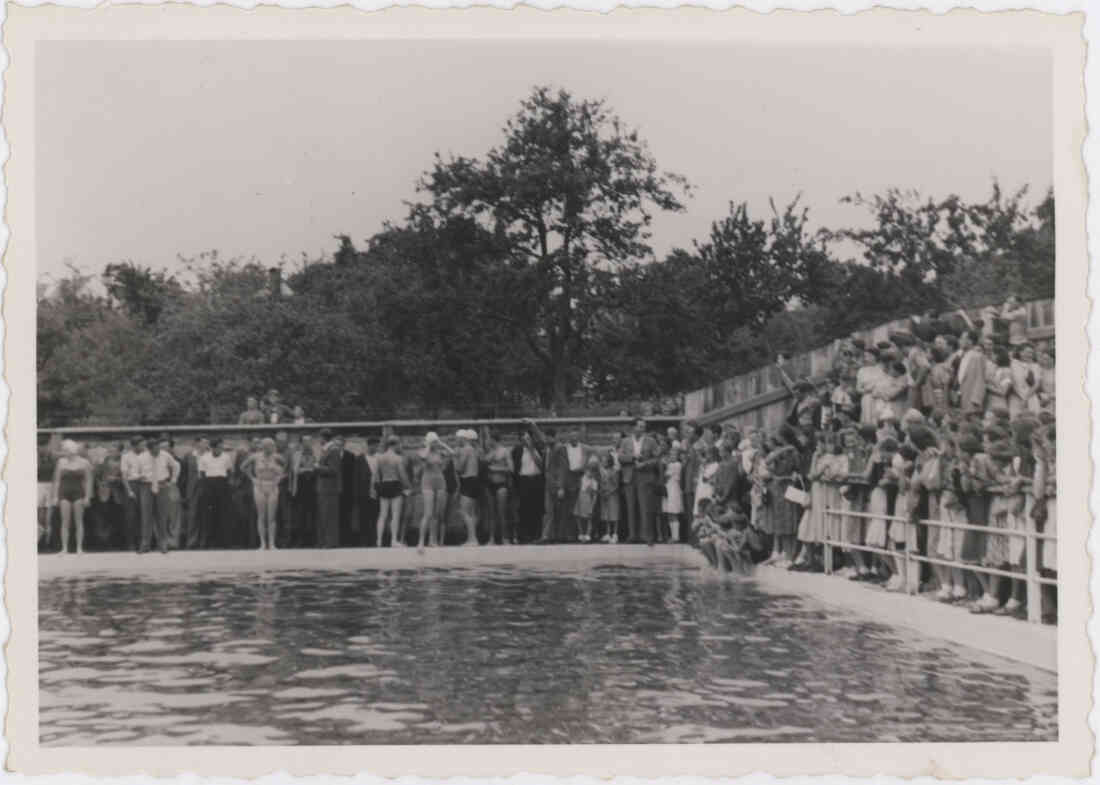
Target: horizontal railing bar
(947, 525)
(959, 565)
(353, 425)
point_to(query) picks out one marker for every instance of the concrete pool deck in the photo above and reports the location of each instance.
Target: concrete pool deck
(1034, 644)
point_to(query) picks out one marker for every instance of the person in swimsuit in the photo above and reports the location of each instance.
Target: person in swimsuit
(72, 487)
(391, 482)
(467, 465)
(433, 489)
(266, 469)
(499, 460)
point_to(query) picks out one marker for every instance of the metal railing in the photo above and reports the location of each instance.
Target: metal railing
(911, 560)
(372, 428)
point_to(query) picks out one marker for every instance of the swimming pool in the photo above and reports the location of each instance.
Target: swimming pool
(502, 654)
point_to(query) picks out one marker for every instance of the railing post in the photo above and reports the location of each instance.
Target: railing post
(830, 515)
(1031, 558)
(912, 585)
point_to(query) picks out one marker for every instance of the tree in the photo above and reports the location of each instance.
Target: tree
(89, 357)
(946, 253)
(141, 293)
(569, 196)
(699, 315)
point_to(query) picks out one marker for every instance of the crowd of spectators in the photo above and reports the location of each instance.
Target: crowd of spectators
(948, 421)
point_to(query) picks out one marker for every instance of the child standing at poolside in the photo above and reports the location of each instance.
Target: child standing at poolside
(609, 496)
(586, 498)
(673, 502)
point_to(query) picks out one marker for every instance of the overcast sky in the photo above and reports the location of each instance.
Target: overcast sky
(146, 151)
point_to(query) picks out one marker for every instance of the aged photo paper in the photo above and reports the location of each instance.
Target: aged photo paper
(480, 393)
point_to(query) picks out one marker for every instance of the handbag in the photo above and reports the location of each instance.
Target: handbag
(797, 495)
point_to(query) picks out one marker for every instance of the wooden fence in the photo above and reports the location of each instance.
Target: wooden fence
(759, 399)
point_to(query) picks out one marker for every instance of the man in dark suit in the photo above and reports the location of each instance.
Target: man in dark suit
(350, 529)
(528, 463)
(329, 481)
(639, 457)
(557, 465)
(194, 497)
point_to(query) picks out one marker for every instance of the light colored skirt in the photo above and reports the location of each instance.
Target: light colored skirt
(948, 542)
(673, 502)
(1049, 548)
(997, 545)
(902, 532)
(876, 527)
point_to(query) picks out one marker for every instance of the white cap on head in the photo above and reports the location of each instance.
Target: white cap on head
(69, 447)
(431, 438)
(460, 433)
(471, 434)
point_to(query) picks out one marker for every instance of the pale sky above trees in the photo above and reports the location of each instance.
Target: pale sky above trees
(146, 151)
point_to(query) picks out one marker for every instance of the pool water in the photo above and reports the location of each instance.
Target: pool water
(661, 653)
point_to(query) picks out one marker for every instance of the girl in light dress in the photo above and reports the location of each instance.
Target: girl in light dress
(609, 496)
(855, 443)
(1000, 551)
(828, 466)
(587, 496)
(945, 496)
(880, 476)
(902, 531)
(704, 487)
(672, 505)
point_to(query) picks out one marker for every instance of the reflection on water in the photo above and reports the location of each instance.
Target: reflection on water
(515, 655)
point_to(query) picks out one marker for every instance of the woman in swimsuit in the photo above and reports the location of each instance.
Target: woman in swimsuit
(433, 487)
(499, 459)
(392, 484)
(468, 466)
(266, 470)
(72, 487)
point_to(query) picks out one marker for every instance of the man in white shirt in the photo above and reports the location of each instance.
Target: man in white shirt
(215, 468)
(164, 471)
(139, 499)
